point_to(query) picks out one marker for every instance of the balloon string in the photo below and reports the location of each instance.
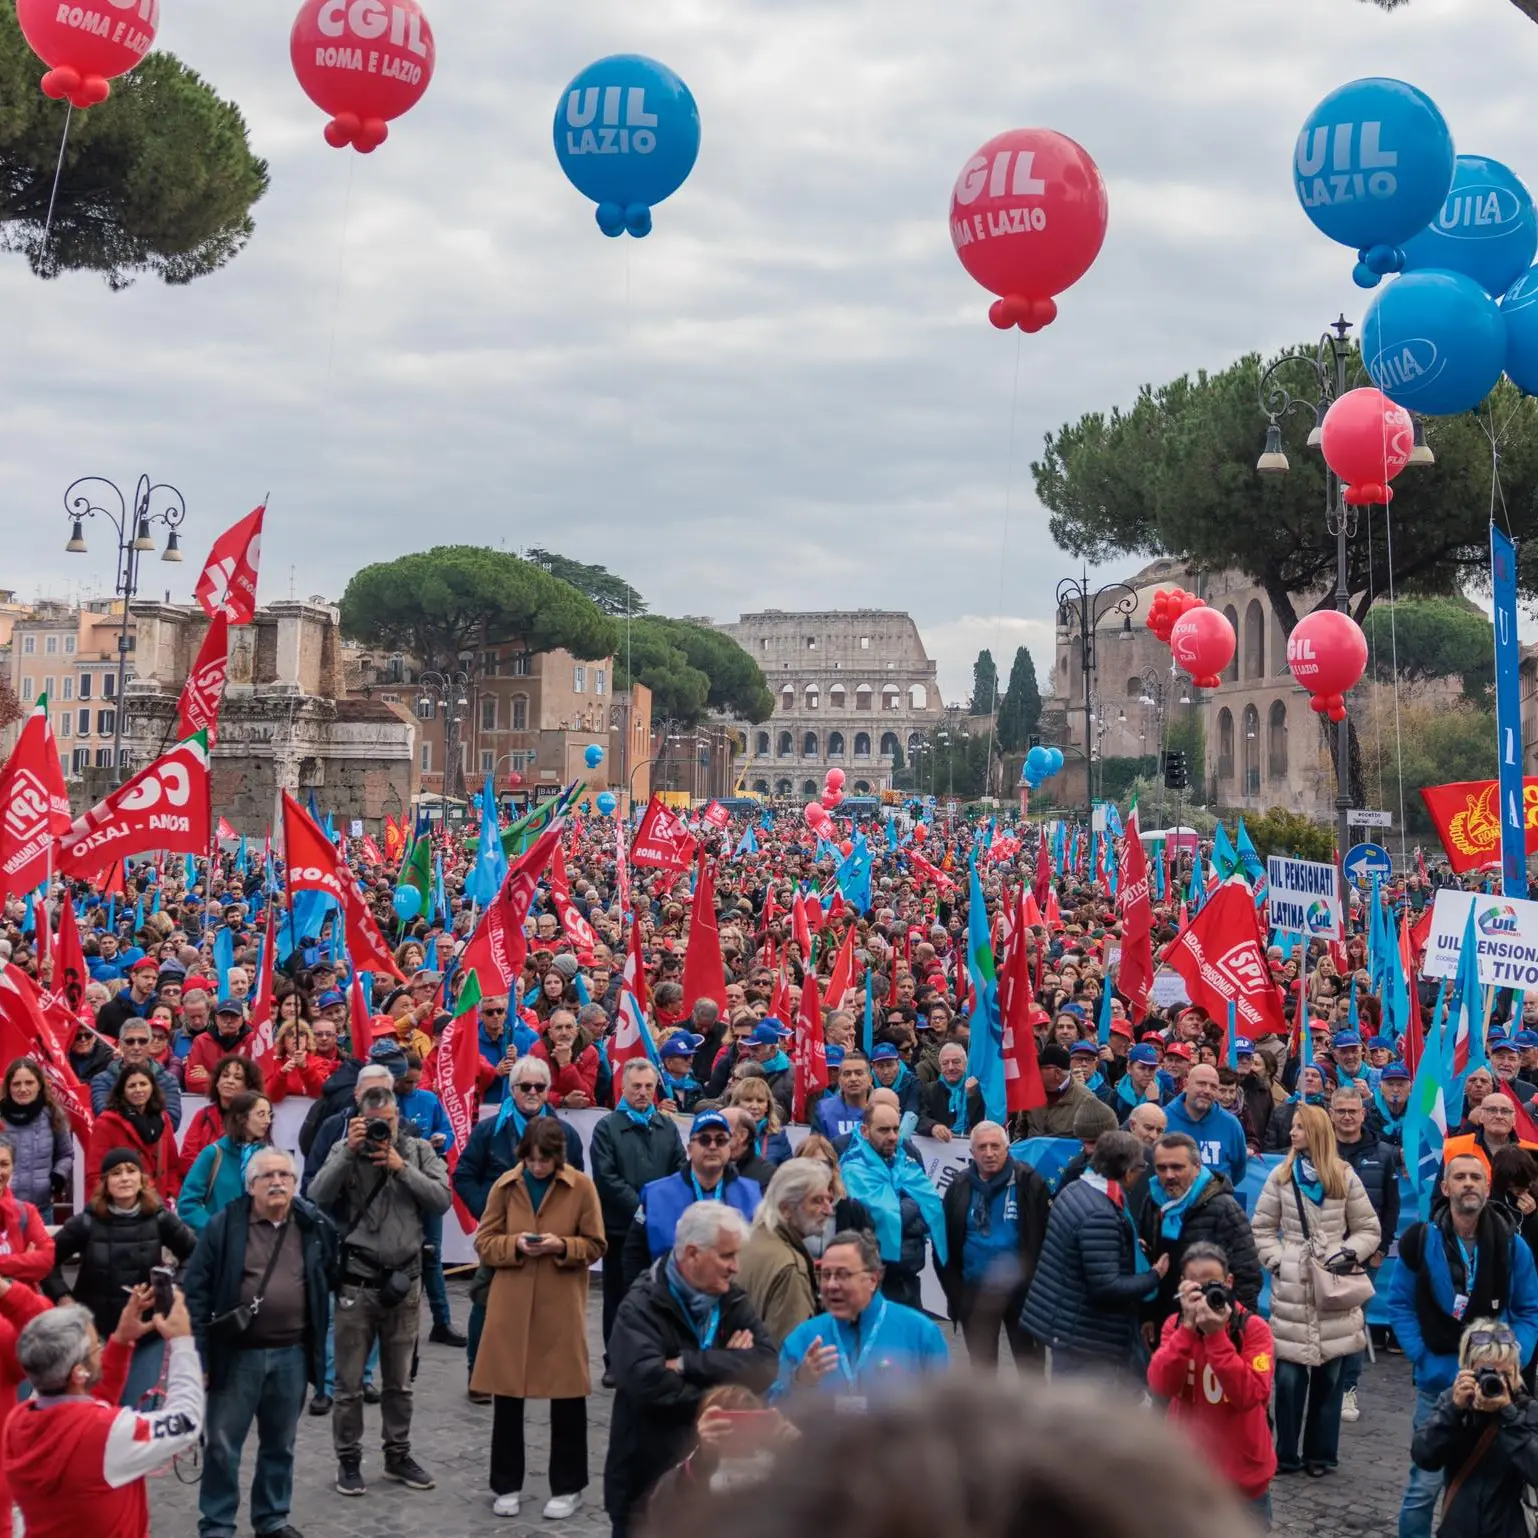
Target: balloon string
(1393, 633)
(341, 267)
(58, 171)
(998, 626)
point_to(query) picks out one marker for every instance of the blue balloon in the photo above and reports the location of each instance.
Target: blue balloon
(592, 755)
(1037, 761)
(1372, 167)
(1487, 228)
(407, 903)
(1520, 311)
(1056, 764)
(607, 803)
(627, 133)
(1434, 342)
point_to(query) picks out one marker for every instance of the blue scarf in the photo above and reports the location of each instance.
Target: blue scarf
(701, 1309)
(980, 1208)
(1127, 1093)
(1391, 1122)
(958, 1111)
(1307, 1180)
(777, 1062)
(640, 1118)
(1174, 1213)
(868, 1178)
(672, 1088)
(1096, 1084)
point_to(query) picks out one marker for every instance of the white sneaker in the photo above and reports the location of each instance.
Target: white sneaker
(1350, 1410)
(559, 1506)
(507, 1505)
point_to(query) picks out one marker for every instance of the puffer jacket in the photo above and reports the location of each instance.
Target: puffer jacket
(1303, 1334)
(115, 1253)
(1215, 1217)
(43, 1153)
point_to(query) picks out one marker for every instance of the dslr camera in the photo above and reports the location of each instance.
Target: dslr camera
(376, 1130)
(1492, 1385)
(1218, 1296)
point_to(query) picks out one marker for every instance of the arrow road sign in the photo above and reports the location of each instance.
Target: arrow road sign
(1368, 860)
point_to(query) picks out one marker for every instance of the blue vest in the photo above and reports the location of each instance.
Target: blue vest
(663, 1202)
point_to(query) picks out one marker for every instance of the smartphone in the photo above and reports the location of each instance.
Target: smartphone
(751, 1429)
(163, 1280)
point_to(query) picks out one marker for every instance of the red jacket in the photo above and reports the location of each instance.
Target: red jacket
(162, 1159)
(204, 1128)
(207, 1050)
(18, 1305)
(1220, 1396)
(26, 1247)
(580, 1076)
(305, 1082)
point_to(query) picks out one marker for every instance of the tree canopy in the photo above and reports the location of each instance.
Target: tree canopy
(985, 685)
(1437, 742)
(692, 671)
(612, 594)
(1528, 8)
(158, 179)
(1020, 709)
(1434, 638)
(457, 598)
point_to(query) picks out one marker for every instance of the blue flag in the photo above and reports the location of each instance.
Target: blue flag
(490, 869)
(985, 1052)
(1106, 994)
(1426, 1116)
(748, 843)
(868, 1034)
(1224, 856)
(1249, 857)
(224, 957)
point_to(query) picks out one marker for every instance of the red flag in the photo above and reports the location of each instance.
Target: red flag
(360, 1021)
(198, 708)
(228, 583)
(31, 1028)
(371, 850)
(1023, 1087)
(458, 1057)
(1415, 1031)
(1135, 975)
(800, 926)
(226, 831)
(704, 972)
(395, 840)
(164, 806)
(1221, 958)
(631, 1033)
(260, 1048)
(497, 948)
(662, 840)
(716, 815)
(314, 866)
(811, 1060)
(34, 805)
(577, 928)
(842, 977)
(69, 969)
(1043, 882)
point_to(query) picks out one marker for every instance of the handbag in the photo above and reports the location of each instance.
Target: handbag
(1340, 1283)
(238, 1319)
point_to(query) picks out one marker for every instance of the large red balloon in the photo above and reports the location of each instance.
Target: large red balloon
(363, 61)
(1164, 608)
(834, 778)
(1327, 653)
(1028, 218)
(1367, 440)
(1202, 642)
(85, 46)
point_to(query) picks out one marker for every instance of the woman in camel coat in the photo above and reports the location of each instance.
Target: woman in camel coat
(541, 1230)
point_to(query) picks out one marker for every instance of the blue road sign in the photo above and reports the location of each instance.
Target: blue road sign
(1368, 860)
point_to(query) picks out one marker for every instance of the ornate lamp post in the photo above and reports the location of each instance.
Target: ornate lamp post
(1082, 607)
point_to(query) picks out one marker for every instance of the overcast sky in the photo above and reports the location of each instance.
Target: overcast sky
(788, 395)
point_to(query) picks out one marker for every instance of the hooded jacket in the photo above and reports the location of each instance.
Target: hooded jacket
(1214, 1217)
(390, 1231)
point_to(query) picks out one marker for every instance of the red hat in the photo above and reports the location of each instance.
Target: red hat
(146, 964)
(204, 983)
(383, 1025)
(1178, 1049)
(1121, 1027)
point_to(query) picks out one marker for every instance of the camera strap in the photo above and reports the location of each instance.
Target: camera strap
(254, 1306)
(1481, 1447)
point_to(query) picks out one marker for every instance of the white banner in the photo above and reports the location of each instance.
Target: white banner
(1304, 898)
(1507, 930)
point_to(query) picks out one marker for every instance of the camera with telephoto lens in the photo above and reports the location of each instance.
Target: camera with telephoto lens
(1217, 1296)
(1492, 1385)
(376, 1130)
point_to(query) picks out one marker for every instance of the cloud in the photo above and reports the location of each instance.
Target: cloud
(789, 395)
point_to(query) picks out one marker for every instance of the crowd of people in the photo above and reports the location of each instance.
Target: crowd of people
(765, 1255)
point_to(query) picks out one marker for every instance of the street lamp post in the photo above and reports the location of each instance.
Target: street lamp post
(1155, 696)
(1089, 606)
(152, 503)
(450, 690)
(1328, 368)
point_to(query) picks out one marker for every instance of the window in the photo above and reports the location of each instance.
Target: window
(809, 787)
(918, 697)
(811, 643)
(809, 745)
(763, 643)
(122, 758)
(69, 688)
(425, 757)
(1231, 673)
(891, 696)
(1225, 744)
(1276, 741)
(889, 745)
(29, 646)
(109, 686)
(813, 696)
(28, 693)
(427, 707)
(761, 787)
(520, 716)
(1251, 749)
(835, 744)
(862, 697)
(104, 758)
(489, 663)
(106, 722)
(391, 699)
(783, 787)
(83, 723)
(1254, 640)
(488, 713)
(787, 745)
(862, 744)
(761, 744)
(51, 645)
(79, 759)
(864, 643)
(836, 697)
(85, 686)
(600, 681)
(579, 679)
(520, 667)
(67, 724)
(788, 697)
(69, 645)
(48, 686)
(488, 760)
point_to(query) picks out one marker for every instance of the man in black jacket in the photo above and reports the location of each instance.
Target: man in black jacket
(1191, 1204)
(683, 1328)
(995, 1221)
(632, 1145)
(270, 1254)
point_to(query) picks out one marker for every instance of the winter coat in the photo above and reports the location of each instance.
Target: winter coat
(780, 1279)
(1215, 1217)
(162, 1160)
(1489, 1502)
(206, 1127)
(935, 1108)
(217, 1178)
(1377, 1166)
(627, 1156)
(1260, 1097)
(1304, 1334)
(27, 1253)
(652, 1425)
(115, 1253)
(1056, 1120)
(387, 1228)
(205, 1056)
(578, 1077)
(336, 1094)
(1032, 1202)
(1086, 1291)
(491, 1152)
(535, 1345)
(101, 1087)
(650, 1235)
(44, 1154)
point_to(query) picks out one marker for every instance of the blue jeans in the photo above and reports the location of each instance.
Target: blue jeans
(432, 1269)
(1261, 1506)
(1308, 1414)
(1422, 1488)
(143, 1370)
(329, 1382)
(1351, 1373)
(266, 1386)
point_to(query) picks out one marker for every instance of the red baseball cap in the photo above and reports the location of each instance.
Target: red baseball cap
(1178, 1049)
(1121, 1027)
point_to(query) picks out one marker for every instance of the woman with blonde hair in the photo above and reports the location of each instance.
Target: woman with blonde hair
(1313, 1219)
(753, 1094)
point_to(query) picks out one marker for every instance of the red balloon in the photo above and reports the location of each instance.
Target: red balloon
(1203, 644)
(834, 778)
(515, 779)
(1367, 440)
(920, 833)
(363, 61)
(1327, 653)
(815, 815)
(1028, 217)
(85, 46)
(847, 847)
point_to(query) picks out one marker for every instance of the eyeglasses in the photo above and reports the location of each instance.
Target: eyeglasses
(485, 1011)
(528, 1084)
(136, 1041)
(841, 1277)
(283, 1176)
(713, 1140)
(1500, 1335)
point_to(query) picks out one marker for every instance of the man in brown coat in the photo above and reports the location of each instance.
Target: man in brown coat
(777, 1272)
(541, 1230)
(1064, 1097)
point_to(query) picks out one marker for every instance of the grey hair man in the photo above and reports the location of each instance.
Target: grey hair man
(778, 1272)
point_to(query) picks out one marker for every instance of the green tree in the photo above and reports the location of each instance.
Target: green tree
(1437, 743)
(692, 671)
(1529, 8)
(612, 594)
(985, 685)
(158, 179)
(1279, 831)
(1020, 709)
(1434, 638)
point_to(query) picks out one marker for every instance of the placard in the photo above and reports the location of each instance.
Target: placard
(1507, 930)
(1304, 897)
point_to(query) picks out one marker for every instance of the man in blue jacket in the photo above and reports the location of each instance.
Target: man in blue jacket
(1465, 1264)
(1218, 1134)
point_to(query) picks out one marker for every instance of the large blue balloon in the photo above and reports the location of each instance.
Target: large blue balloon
(1487, 228)
(627, 132)
(1055, 766)
(607, 803)
(1434, 342)
(1372, 167)
(407, 903)
(1520, 311)
(1038, 762)
(592, 755)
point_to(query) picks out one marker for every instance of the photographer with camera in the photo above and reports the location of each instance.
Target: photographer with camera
(258, 1292)
(1482, 1436)
(1215, 1363)
(378, 1185)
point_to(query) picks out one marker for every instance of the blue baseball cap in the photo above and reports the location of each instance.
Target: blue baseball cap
(708, 1121)
(329, 997)
(768, 1033)
(1395, 1071)
(1243, 1047)
(230, 1007)
(885, 1052)
(1346, 1039)
(1143, 1053)
(1084, 1049)
(1380, 1044)
(1503, 1044)
(1526, 1038)
(834, 1056)
(681, 1044)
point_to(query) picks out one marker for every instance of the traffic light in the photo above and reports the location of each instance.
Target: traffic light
(1177, 775)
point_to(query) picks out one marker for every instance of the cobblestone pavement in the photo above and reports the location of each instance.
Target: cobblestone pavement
(451, 1438)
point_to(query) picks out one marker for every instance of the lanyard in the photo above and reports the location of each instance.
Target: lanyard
(702, 1195)
(876, 1314)
(707, 1336)
(1470, 1264)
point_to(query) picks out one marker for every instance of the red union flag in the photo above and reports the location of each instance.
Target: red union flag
(497, 948)
(717, 815)
(313, 867)
(31, 1028)
(1134, 977)
(663, 841)
(34, 805)
(811, 1062)
(198, 708)
(164, 806)
(1220, 958)
(228, 583)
